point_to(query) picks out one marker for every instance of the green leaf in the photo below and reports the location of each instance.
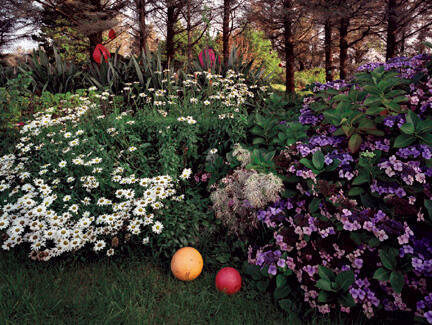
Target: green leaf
(263, 285)
(252, 270)
(428, 206)
(281, 280)
(323, 296)
(324, 285)
(281, 292)
(374, 110)
(404, 140)
(354, 143)
(314, 205)
(326, 273)
(408, 128)
(307, 163)
(354, 191)
(318, 159)
(345, 279)
(381, 274)
(412, 118)
(286, 304)
(362, 178)
(346, 300)
(256, 141)
(397, 281)
(371, 100)
(388, 258)
(427, 138)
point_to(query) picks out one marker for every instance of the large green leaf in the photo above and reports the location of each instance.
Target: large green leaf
(404, 140)
(318, 159)
(345, 279)
(324, 285)
(381, 274)
(397, 281)
(326, 273)
(354, 143)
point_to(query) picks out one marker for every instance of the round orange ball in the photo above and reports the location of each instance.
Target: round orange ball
(187, 264)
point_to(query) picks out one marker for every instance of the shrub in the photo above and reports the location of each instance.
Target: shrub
(354, 226)
(241, 193)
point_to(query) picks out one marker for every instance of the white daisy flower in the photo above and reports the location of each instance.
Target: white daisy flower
(157, 227)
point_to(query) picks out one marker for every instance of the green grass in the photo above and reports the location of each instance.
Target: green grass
(121, 291)
(128, 290)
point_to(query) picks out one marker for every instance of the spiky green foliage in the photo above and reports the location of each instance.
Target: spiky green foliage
(56, 76)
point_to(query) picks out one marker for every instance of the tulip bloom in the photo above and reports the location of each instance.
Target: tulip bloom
(208, 55)
(99, 51)
(112, 34)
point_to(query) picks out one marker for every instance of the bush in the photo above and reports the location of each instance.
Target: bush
(354, 227)
(91, 172)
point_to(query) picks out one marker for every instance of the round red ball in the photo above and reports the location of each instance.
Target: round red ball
(228, 280)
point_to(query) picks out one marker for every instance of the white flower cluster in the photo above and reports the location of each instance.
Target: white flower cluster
(187, 119)
(60, 206)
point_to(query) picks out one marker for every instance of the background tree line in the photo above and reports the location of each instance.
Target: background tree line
(334, 34)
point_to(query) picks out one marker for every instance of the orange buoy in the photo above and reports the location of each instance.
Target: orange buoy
(187, 264)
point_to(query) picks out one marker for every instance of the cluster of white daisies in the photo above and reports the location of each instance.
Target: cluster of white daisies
(230, 91)
(59, 206)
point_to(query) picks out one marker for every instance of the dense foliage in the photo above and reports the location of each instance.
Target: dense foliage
(354, 228)
(331, 191)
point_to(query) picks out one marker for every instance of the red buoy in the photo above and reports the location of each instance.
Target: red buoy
(228, 280)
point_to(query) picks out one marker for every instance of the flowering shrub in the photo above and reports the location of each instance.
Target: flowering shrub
(71, 184)
(355, 226)
(240, 195)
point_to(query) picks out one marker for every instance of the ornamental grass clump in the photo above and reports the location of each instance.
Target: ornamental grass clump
(239, 196)
(354, 231)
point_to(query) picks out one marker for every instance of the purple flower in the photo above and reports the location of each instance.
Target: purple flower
(428, 316)
(358, 263)
(272, 269)
(417, 264)
(281, 263)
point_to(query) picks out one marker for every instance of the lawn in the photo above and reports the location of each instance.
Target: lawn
(126, 290)
(119, 291)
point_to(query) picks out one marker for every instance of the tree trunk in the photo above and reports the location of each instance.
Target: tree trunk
(95, 39)
(328, 50)
(402, 45)
(225, 30)
(289, 48)
(170, 33)
(391, 29)
(189, 32)
(141, 8)
(343, 47)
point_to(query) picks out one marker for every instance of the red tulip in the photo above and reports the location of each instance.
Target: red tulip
(99, 51)
(112, 34)
(208, 55)
(20, 124)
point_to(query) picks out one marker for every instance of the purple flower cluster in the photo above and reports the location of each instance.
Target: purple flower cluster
(391, 120)
(308, 117)
(362, 294)
(343, 216)
(425, 304)
(337, 84)
(409, 171)
(408, 66)
(415, 151)
(387, 188)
